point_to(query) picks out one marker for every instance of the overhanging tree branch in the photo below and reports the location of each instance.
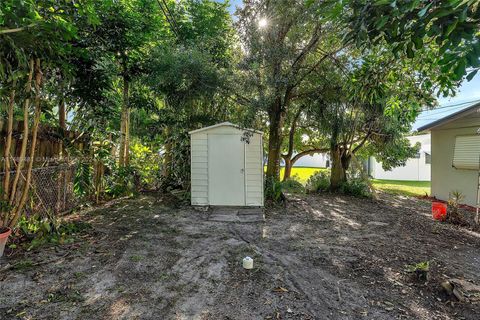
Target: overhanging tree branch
(291, 134)
(14, 30)
(309, 152)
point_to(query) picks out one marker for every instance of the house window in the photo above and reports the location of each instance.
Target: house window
(428, 158)
(467, 152)
(417, 156)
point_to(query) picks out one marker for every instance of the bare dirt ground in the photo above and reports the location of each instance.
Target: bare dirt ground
(322, 257)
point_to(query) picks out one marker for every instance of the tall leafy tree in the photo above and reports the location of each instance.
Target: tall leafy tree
(127, 30)
(379, 97)
(34, 41)
(284, 43)
(189, 76)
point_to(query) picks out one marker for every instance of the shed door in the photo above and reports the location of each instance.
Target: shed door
(226, 170)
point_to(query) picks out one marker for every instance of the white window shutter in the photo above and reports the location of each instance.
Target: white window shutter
(467, 152)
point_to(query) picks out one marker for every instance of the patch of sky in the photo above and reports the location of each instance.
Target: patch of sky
(467, 95)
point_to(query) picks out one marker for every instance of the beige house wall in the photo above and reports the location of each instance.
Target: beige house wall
(446, 178)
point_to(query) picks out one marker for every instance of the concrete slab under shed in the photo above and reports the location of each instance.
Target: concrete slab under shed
(238, 215)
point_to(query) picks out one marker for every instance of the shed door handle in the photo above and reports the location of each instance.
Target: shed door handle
(242, 170)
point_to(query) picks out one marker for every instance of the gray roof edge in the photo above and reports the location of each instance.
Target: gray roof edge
(449, 118)
(228, 124)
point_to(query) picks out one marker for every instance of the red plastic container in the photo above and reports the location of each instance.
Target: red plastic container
(439, 211)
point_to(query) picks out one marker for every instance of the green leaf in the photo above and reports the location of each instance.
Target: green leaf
(447, 58)
(459, 70)
(382, 2)
(46, 226)
(473, 59)
(471, 75)
(451, 27)
(444, 48)
(422, 12)
(418, 42)
(381, 23)
(442, 12)
(446, 68)
(410, 53)
(463, 15)
(476, 48)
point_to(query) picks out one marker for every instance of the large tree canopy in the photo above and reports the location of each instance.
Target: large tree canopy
(284, 43)
(451, 28)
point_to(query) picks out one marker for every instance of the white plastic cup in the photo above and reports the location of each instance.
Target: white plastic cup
(247, 263)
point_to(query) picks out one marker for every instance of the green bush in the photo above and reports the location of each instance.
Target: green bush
(320, 181)
(121, 181)
(356, 187)
(292, 186)
(82, 182)
(146, 163)
(273, 190)
(39, 230)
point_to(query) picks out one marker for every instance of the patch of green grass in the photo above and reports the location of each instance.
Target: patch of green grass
(80, 275)
(163, 277)
(136, 258)
(65, 296)
(23, 265)
(169, 230)
(406, 188)
(301, 174)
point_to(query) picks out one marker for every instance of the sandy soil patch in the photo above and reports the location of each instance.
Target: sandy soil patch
(322, 257)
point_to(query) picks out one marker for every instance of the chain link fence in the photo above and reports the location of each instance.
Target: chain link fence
(51, 189)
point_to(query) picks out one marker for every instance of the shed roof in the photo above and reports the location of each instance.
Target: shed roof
(475, 107)
(224, 124)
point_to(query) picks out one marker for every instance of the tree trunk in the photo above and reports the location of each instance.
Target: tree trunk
(8, 143)
(291, 140)
(338, 174)
(167, 158)
(61, 120)
(346, 160)
(288, 168)
(124, 126)
(23, 150)
(277, 118)
(38, 82)
(99, 169)
(127, 136)
(6, 156)
(121, 155)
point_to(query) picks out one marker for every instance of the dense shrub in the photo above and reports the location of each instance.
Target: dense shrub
(146, 164)
(36, 230)
(320, 181)
(121, 181)
(292, 185)
(356, 187)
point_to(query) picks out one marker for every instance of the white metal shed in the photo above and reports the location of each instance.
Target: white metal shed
(226, 166)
